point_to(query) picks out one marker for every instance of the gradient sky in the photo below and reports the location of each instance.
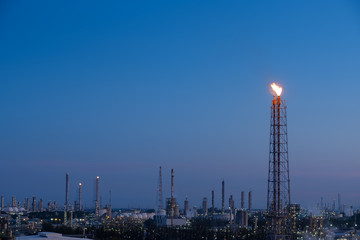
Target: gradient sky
(118, 88)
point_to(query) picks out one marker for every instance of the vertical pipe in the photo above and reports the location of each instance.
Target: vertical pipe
(34, 204)
(41, 205)
(71, 218)
(250, 202)
(80, 185)
(186, 206)
(67, 192)
(223, 197)
(2, 202)
(230, 208)
(110, 207)
(172, 197)
(242, 200)
(212, 202)
(97, 210)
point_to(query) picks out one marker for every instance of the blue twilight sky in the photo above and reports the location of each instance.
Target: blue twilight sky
(118, 88)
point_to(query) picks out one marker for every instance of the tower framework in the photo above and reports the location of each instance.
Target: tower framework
(278, 197)
(160, 192)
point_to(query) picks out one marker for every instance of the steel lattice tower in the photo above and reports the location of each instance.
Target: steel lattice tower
(160, 192)
(278, 198)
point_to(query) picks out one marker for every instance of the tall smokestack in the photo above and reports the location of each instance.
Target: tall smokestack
(186, 206)
(67, 192)
(231, 204)
(321, 203)
(34, 204)
(205, 206)
(212, 202)
(172, 197)
(13, 201)
(250, 202)
(242, 200)
(223, 197)
(97, 209)
(232, 208)
(2, 202)
(80, 207)
(49, 208)
(41, 205)
(27, 204)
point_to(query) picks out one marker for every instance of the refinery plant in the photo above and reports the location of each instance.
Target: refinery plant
(283, 219)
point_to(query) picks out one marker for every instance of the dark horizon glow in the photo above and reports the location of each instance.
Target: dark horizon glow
(115, 90)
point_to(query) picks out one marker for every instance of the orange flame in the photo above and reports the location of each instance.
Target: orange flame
(276, 89)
